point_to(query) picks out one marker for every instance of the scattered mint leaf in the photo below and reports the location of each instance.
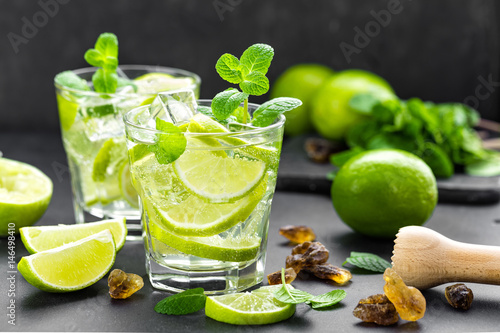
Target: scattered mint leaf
(170, 145)
(255, 84)
(188, 301)
(368, 261)
(71, 80)
(226, 102)
(257, 58)
(105, 82)
(267, 112)
(290, 296)
(327, 299)
(228, 68)
(363, 103)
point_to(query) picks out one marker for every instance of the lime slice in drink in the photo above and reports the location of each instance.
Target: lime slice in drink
(127, 189)
(38, 239)
(208, 219)
(156, 82)
(201, 123)
(25, 194)
(67, 112)
(219, 179)
(233, 248)
(112, 153)
(258, 307)
(70, 267)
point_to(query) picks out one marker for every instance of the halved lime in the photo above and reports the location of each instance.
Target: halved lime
(70, 267)
(216, 178)
(156, 82)
(38, 239)
(258, 307)
(208, 219)
(25, 193)
(233, 248)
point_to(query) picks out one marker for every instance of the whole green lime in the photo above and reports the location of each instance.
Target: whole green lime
(379, 191)
(301, 81)
(331, 115)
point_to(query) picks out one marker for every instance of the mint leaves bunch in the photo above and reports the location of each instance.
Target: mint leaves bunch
(249, 72)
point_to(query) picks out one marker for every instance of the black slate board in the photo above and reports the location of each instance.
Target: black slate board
(297, 173)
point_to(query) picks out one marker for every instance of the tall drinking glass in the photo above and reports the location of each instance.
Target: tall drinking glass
(93, 138)
(206, 214)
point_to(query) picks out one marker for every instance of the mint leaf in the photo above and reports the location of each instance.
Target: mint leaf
(485, 168)
(226, 102)
(239, 114)
(105, 82)
(368, 261)
(170, 145)
(290, 296)
(71, 80)
(270, 110)
(327, 299)
(188, 301)
(257, 58)
(255, 84)
(107, 44)
(228, 68)
(94, 58)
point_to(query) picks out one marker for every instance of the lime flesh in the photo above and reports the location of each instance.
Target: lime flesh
(258, 307)
(25, 193)
(38, 239)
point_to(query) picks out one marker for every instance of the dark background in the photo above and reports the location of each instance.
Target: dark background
(442, 50)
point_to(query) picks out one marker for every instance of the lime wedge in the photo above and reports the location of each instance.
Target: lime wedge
(156, 82)
(233, 248)
(216, 178)
(127, 189)
(258, 307)
(70, 267)
(208, 219)
(38, 239)
(25, 194)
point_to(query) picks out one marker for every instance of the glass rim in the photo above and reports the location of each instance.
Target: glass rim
(278, 123)
(149, 68)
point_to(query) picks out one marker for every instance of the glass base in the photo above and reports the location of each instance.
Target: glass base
(134, 228)
(234, 277)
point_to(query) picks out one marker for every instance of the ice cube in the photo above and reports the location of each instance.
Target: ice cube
(177, 106)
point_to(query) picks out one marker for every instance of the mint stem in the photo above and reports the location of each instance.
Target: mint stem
(245, 111)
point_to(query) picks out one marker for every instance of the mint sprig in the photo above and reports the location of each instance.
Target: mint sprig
(186, 302)
(105, 56)
(249, 72)
(170, 144)
(368, 261)
(295, 296)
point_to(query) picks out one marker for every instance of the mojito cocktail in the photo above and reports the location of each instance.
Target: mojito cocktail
(93, 135)
(205, 214)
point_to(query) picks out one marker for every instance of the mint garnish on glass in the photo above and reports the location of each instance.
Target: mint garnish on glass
(249, 72)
